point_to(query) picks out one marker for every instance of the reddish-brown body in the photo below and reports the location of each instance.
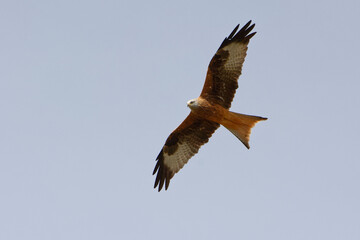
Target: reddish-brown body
(202, 108)
(239, 124)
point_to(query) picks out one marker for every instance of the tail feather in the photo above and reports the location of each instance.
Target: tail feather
(240, 125)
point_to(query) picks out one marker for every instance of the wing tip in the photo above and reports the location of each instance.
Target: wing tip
(243, 35)
(164, 175)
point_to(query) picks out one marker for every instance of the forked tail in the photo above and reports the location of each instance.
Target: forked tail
(240, 125)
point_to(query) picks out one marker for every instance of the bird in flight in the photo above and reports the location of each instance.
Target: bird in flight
(210, 109)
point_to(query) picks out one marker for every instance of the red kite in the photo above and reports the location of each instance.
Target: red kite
(210, 110)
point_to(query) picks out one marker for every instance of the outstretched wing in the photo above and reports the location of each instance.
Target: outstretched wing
(225, 67)
(183, 143)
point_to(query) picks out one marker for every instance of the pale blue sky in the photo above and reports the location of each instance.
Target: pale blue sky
(90, 90)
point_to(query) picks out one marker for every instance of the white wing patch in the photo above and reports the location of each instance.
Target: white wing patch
(177, 160)
(237, 54)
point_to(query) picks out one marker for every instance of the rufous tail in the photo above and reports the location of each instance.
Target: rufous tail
(240, 125)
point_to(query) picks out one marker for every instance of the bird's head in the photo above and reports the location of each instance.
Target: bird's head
(193, 103)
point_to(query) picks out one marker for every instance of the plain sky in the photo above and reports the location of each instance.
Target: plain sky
(90, 90)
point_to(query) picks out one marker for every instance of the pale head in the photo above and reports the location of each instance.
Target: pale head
(193, 103)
